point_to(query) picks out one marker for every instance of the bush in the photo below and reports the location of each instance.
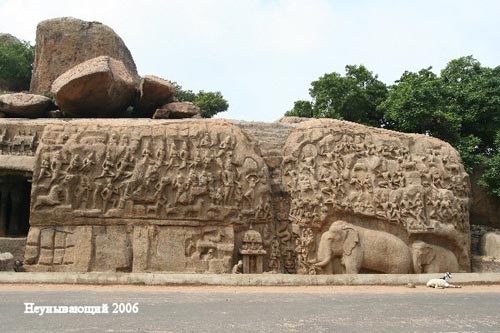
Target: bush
(16, 65)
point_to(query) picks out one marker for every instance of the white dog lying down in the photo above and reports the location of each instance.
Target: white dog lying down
(443, 282)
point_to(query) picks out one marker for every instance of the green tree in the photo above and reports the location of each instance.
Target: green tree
(352, 97)
(461, 106)
(16, 64)
(417, 104)
(210, 103)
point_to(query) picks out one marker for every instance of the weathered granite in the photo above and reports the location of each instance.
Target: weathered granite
(99, 87)
(22, 105)
(179, 195)
(62, 43)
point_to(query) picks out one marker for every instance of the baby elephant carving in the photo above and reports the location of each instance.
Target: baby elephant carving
(363, 248)
(429, 258)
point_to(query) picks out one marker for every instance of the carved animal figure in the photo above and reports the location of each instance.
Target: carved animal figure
(442, 283)
(52, 199)
(428, 258)
(363, 248)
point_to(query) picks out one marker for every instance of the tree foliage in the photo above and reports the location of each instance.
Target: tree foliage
(210, 103)
(16, 65)
(460, 106)
(352, 97)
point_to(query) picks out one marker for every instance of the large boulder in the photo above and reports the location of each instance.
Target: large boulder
(8, 39)
(177, 110)
(21, 105)
(99, 87)
(6, 261)
(490, 245)
(154, 92)
(63, 43)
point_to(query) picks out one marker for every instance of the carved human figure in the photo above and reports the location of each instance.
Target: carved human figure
(82, 193)
(87, 162)
(108, 195)
(183, 155)
(124, 165)
(107, 166)
(228, 181)
(56, 167)
(205, 141)
(161, 195)
(249, 195)
(44, 169)
(361, 248)
(275, 256)
(74, 164)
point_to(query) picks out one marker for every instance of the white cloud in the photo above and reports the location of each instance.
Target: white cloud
(262, 55)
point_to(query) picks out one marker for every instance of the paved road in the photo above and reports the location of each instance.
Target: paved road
(231, 309)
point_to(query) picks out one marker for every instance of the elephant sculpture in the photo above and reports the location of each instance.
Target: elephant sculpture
(428, 258)
(359, 248)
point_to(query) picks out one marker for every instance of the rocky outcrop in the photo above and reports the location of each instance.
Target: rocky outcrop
(99, 87)
(8, 39)
(177, 110)
(146, 195)
(154, 92)
(490, 245)
(6, 262)
(485, 208)
(21, 105)
(411, 186)
(63, 43)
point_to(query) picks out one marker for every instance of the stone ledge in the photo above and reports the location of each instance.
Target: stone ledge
(164, 279)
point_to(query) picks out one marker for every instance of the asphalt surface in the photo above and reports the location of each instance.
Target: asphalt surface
(258, 309)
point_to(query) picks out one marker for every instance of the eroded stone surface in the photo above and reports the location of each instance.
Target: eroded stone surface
(63, 43)
(162, 196)
(154, 92)
(408, 186)
(156, 196)
(490, 245)
(22, 105)
(177, 110)
(99, 87)
(6, 261)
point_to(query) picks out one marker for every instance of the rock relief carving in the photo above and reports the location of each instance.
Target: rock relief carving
(203, 174)
(412, 187)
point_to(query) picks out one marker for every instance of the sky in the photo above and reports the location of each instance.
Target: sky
(263, 54)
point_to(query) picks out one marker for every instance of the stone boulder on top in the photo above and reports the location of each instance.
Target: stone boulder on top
(154, 92)
(63, 43)
(99, 87)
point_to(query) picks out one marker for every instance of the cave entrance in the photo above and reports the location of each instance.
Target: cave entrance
(15, 193)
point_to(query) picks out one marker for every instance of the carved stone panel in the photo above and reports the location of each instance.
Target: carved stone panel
(166, 184)
(412, 186)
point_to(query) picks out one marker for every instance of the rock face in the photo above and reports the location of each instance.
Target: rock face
(21, 105)
(490, 245)
(485, 208)
(15, 246)
(408, 186)
(177, 110)
(155, 196)
(99, 87)
(63, 43)
(154, 92)
(8, 39)
(6, 262)
(319, 197)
